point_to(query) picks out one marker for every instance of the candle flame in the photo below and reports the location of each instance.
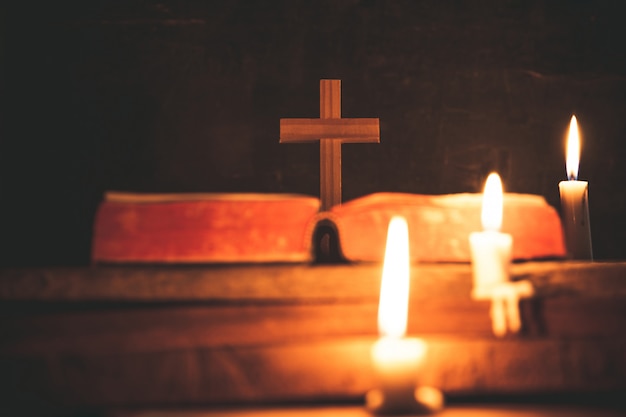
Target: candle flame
(394, 289)
(491, 214)
(573, 150)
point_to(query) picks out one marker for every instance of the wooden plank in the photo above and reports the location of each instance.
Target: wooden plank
(457, 410)
(157, 328)
(357, 130)
(313, 371)
(288, 283)
(96, 329)
(250, 334)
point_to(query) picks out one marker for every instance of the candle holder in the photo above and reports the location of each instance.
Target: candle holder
(505, 314)
(418, 401)
(397, 364)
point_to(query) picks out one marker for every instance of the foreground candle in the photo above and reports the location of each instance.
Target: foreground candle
(397, 359)
(574, 205)
(490, 249)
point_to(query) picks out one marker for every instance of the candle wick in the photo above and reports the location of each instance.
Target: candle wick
(572, 177)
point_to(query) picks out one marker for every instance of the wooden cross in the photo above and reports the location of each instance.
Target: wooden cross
(331, 130)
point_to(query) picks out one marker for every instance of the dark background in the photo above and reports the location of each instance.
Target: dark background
(181, 96)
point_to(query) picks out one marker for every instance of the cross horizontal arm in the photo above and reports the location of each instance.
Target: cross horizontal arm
(348, 130)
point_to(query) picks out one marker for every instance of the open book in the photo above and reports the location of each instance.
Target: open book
(241, 228)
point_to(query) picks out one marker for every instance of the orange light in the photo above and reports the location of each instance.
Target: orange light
(491, 215)
(394, 289)
(573, 150)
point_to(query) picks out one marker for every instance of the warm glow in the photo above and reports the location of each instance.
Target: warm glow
(394, 288)
(573, 150)
(491, 215)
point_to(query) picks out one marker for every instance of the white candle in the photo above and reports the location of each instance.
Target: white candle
(396, 358)
(490, 249)
(574, 201)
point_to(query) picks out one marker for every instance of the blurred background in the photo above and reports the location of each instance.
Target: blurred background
(186, 96)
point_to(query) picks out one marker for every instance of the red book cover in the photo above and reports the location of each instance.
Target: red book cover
(439, 226)
(204, 228)
(241, 228)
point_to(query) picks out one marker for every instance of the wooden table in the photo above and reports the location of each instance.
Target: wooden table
(156, 337)
(337, 411)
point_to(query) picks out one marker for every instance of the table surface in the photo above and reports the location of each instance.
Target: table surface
(156, 336)
(303, 282)
(514, 410)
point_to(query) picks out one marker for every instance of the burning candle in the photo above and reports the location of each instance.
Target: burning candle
(490, 249)
(491, 259)
(397, 359)
(574, 204)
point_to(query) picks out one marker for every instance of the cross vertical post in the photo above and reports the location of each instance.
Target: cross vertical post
(330, 148)
(331, 130)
